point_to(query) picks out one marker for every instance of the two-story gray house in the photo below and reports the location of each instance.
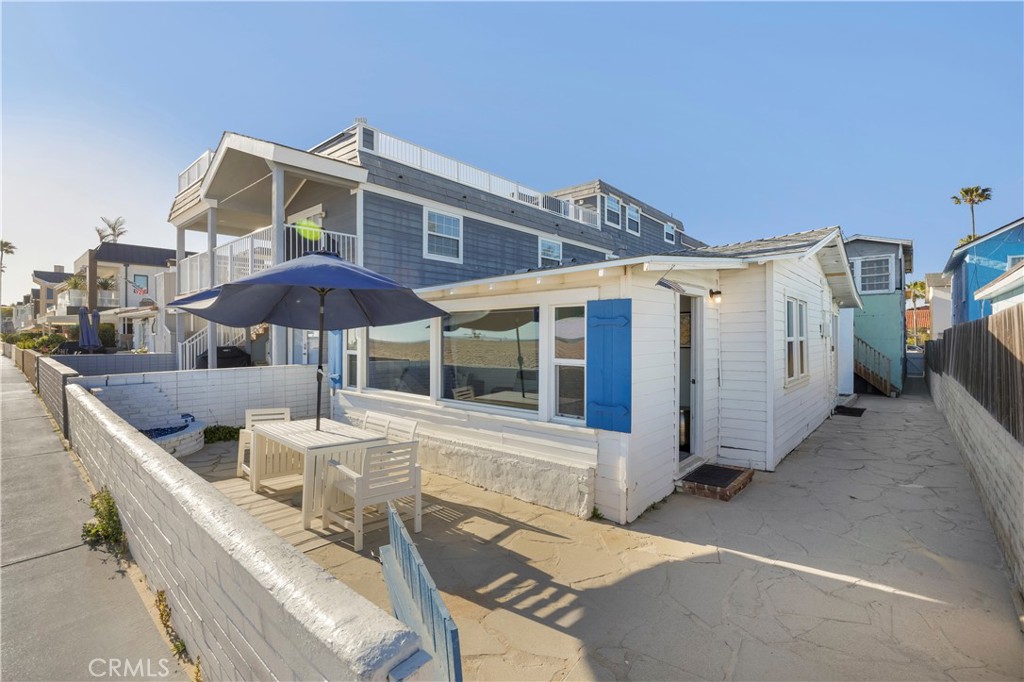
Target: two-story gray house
(407, 212)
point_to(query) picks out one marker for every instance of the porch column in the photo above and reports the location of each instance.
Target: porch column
(211, 245)
(278, 334)
(179, 319)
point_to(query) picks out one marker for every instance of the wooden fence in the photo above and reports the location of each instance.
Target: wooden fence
(417, 601)
(986, 357)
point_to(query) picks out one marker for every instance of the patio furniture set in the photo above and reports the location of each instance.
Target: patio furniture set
(344, 468)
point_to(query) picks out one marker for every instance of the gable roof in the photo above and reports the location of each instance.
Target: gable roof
(935, 280)
(771, 248)
(960, 252)
(907, 246)
(134, 254)
(50, 277)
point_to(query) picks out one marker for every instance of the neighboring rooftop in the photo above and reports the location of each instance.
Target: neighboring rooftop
(960, 252)
(935, 280)
(133, 254)
(1004, 283)
(49, 276)
(770, 247)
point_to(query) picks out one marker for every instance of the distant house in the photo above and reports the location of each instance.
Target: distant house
(876, 351)
(600, 384)
(1004, 291)
(919, 319)
(937, 294)
(971, 266)
(400, 209)
(48, 282)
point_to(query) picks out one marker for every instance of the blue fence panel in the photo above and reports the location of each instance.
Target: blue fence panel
(417, 601)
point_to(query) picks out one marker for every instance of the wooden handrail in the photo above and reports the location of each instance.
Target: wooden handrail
(872, 365)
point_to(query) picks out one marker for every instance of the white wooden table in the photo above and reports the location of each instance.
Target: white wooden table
(292, 447)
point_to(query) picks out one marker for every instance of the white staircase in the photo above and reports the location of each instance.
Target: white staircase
(197, 344)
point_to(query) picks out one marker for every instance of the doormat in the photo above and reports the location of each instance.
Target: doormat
(716, 482)
(849, 411)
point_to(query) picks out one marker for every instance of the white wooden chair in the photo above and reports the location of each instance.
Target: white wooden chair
(263, 414)
(463, 393)
(401, 430)
(388, 472)
(376, 422)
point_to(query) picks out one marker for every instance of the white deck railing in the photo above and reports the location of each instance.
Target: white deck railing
(197, 344)
(416, 156)
(254, 253)
(195, 172)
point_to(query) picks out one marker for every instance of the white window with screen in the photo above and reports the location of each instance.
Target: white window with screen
(442, 236)
(796, 340)
(550, 253)
(670, 233)
(613, 211)
(875, 275)
(570, 345)
(633, 219)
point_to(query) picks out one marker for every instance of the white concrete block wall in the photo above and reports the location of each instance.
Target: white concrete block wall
(250, 604)
(52, 376)
(995, 460)
(221, 396)
(121, 363)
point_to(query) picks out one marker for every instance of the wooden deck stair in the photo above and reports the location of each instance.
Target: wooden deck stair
(873, 366)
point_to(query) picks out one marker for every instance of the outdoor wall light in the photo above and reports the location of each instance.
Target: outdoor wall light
(716, 295)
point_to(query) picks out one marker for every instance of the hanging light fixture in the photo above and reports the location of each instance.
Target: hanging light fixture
(716, 295)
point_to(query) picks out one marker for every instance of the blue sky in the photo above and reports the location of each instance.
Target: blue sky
(743, 120)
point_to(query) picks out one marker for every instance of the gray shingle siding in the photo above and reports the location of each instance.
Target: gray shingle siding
(393, 246)
(580, 254)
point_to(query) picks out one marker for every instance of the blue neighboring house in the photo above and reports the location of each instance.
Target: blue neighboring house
(977, 263)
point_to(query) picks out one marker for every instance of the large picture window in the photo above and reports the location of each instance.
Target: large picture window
(398, 357)
(442, 237)
(491, 357)
(796, 340)
(570, 361)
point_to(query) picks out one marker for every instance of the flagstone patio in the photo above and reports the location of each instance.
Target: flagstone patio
(866, 556)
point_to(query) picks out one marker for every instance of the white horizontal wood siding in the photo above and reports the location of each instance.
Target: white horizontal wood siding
(710, 348)
(802, 406)
(654, 440)
(743, 397)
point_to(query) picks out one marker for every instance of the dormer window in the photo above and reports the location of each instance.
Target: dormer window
(670, 233)
(613, 211)
(633, 219)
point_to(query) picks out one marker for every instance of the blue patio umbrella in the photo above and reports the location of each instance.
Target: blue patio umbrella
(316, 291)
(88, 331)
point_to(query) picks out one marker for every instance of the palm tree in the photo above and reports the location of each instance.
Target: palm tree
(113, 230)
(6, 249)
(972, 196)
(916, 290)
(75, 281)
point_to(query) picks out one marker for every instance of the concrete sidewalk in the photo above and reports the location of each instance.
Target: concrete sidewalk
(68, 612)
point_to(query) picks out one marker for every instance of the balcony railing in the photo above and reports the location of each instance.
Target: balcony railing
(195, 172)
(254, 253)
(416, 156)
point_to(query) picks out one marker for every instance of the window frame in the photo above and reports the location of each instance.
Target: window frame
(540, 251)
(669, 229)
(557, 362)
(799, 340)
(604, 213)
(639, 219)
(858, 264)
(426, 236)
(1012, 260)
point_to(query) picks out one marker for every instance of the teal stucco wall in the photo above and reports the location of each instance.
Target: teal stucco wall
(881, 324)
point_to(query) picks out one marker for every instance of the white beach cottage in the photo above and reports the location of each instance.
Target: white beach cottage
(595, 387)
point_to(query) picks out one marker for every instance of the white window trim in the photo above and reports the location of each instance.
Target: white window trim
(669, 227)
(556, 362)
(856, 263)
(1011, 261)
(540, 250)
(427, 210)
(604, 211)
(639, 219)
(804, 358)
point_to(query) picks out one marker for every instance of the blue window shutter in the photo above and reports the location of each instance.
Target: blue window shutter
(335, 355)
(610, 365)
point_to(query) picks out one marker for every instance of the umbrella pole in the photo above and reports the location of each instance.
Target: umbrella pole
(320, 361)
